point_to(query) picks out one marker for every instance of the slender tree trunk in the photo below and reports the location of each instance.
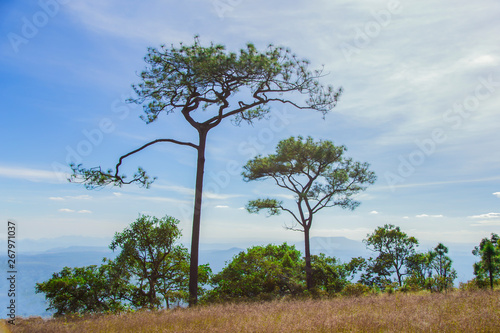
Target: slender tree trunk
(309, 282)
(490, 271)
(195, 238)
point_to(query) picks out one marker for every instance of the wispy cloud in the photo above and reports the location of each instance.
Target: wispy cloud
(497, 194)
(190, 192)
(84, 211)
(486, 223)
(34, 175)
(438, 183)
(221, 206)
(68, 197)
(66, 210)
(216, 196)
(80, 197)
(486, 216)
(425, 215)
(374, 212)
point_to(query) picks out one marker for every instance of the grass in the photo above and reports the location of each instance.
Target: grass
(458, 311)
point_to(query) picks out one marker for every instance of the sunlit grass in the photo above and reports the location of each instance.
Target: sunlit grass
(457, 311)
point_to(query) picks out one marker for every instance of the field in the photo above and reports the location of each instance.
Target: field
(457, 311)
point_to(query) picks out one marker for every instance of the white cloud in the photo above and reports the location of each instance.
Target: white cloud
(461, 181)
(117, 194)
(221, 206)
(425, 215)
(486, 216)
(497, 194)
(374, 212)
(406, 217)
(84, 211)
(285, 196)
(80, 197)
(163, 199)
(189, 191)
(210, 195)
(66, 210)
(486, 223)
(34, 175)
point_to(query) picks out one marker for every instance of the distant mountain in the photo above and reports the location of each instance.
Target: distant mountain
(340, 247)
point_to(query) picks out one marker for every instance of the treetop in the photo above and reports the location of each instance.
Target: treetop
(189, 77)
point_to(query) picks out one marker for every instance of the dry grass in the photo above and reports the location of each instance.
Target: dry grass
(451, 312)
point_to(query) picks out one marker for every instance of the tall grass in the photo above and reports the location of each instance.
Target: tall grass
(458, 311)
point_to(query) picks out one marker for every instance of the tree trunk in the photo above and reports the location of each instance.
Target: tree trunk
(490, 271)
(195, 238)
(309, 282)
(152, 294)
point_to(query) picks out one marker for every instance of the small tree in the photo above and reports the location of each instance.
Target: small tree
(155, 262)
(224, 85)
(432, 270)
(394, 247)
(89, 289)
(317, 174)
(419, 270)
(489, 252)
(262, 272)
(445, 274)
(329, 274)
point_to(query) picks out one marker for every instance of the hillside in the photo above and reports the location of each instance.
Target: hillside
(447, 312)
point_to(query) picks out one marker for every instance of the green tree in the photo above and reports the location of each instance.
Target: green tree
(317, 174)
(262, 272)
(419, 270)
(158, 266)
(89, 289)
(489, 252)
(394, 247)
(431, 270)
(329, 274)
(444, 273)
(224, 85)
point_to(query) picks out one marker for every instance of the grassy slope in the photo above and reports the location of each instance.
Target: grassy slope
(451, 312)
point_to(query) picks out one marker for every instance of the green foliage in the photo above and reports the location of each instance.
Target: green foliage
(158, 266)
(314, 171)
(194, 76)
(89, 289)
(356, 289)
(444, 273)
(262, 272)
(488, 268)
(432, 270)
(329, 274)
(275, 271)
(149, 270)
(393, 247)
(272, 206)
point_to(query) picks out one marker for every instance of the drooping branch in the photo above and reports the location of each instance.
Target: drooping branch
(149, 144)
(95, 177)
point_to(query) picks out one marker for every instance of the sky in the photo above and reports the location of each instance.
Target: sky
(421, 103)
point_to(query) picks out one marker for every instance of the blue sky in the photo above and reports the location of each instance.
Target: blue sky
(421, 105)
